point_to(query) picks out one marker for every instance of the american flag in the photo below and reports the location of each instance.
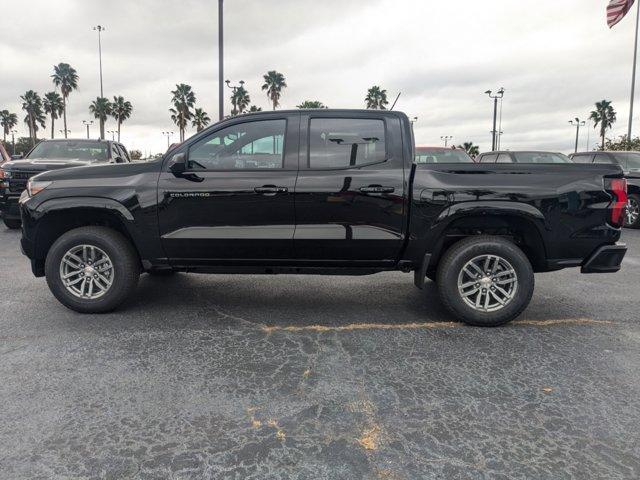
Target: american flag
(616, 11)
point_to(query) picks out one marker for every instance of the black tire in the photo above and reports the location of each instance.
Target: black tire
(126, 268)
(12, 223)
(464, 251)
(634, 199)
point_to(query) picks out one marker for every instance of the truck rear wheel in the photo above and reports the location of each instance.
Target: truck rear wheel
(485, 281)
(92, 269)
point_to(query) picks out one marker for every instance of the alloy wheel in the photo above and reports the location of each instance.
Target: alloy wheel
(633, 211)
(86, 272)
(487, 283)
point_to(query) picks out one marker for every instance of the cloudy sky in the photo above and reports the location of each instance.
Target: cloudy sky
(555, 58)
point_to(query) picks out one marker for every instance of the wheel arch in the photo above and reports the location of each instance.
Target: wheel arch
(56, 217)
(521, 227)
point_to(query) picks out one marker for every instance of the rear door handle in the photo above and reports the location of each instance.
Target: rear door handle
(377, 189)
(270, 189)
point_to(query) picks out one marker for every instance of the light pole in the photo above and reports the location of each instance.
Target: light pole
(220, 60)
(13, 140)
(494, 133)
(233, 98)
(100, 29)
(577, 123)
(113, 134)
(168, 134)
(87, 123)
(446, 139)
(64, 132)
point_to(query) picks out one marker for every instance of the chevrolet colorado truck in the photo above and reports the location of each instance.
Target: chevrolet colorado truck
(334, 192)
(50, 155)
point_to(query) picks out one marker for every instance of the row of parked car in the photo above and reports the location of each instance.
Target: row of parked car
(55, 154)
(629, 161)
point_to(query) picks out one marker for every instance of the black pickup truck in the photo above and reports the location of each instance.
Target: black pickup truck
(51, 155)
(322, 192)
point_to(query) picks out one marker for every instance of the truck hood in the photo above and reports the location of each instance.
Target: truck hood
(43, 165)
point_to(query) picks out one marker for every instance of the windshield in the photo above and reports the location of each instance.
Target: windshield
(443, 156)
(541, 157)
(629, 160)
(70, 150)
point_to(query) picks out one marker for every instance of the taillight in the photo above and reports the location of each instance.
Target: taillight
(620, 199)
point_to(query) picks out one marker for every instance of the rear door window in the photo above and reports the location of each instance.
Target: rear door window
(582, 158)
(504, 158)
(603, 158)
(346, 142)
(489, 158)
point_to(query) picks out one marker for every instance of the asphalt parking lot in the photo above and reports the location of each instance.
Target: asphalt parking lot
(271, 377)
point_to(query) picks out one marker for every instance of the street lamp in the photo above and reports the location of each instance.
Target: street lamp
(446, 139)
(233, 98)
(577, 123)
(494, 133)
(113, 134)
(220, 61)
(168, 134)
(100, 29)
(87, 123)
(13, 140)
(64, 132)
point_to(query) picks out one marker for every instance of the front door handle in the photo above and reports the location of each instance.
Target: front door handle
(270, 189)
(377, 189)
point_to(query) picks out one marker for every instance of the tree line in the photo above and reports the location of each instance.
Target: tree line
(54, 105)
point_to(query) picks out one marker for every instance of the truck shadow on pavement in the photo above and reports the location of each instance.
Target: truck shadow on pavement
(386, 300)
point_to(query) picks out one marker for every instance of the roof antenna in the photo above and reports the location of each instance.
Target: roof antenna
(395, 101)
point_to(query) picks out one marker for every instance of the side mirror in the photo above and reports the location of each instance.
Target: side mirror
(16, 157)
(178, 164)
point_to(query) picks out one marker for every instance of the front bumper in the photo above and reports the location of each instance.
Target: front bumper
(606, 259)
(9, 207)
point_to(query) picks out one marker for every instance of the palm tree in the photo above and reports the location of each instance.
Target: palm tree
(65, 77)
(32, 104)
(376, 98)
(8, 120)
(470, 148)
(274, 82)
(183, 100)
(200, 119)
(54, 106)
(240, 100)
(255, 109)
(605, 115)
(120, 110)
(312, 104)
(101, 109)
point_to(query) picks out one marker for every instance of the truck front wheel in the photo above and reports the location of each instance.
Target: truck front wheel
(485, 281)
(12, 223)
(92, 269)
(633, 211)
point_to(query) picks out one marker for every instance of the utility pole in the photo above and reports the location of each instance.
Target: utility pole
(220, 60)
(446, 139)
(87, 123)
(494, 133)
(113, 134)
(100, 29)
(633, 76)
(577, 123)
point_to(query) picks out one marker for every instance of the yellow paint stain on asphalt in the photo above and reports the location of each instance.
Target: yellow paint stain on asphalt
(424, 326)
(370, 438)
(359, 326)
(563, 321)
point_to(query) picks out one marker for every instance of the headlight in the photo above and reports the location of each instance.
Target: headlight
(35, 186)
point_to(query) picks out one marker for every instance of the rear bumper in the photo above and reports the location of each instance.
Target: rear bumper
(606, 259)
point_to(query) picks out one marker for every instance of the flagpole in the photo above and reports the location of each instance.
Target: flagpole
(633, 79)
